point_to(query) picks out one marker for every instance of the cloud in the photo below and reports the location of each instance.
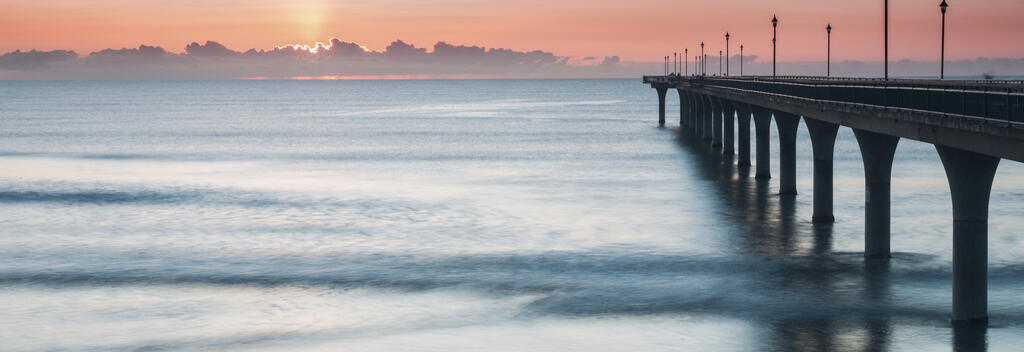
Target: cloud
(33, 60)
(210, 49)
(610, 61)
(144, 54)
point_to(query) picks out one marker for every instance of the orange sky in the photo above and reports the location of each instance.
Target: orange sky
(637, 30)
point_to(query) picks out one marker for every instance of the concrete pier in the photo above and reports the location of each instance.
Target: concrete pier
(763, 135)
(823, 141)
(787, 124)
(728, 127)
(970, 178)
(973, 124)
(743, 134)
(716, 122)
(877, 151)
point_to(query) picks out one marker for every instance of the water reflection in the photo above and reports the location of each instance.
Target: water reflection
(849, 304)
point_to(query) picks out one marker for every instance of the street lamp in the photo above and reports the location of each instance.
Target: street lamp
(886, 40)
(675, 62)
(741, 59)
(726, 53)
(828, 60)
(703, 64)
(719, 62)
(942, 57)
(775, 31)
(686, 68)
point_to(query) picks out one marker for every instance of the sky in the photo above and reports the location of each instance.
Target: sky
(638, 31)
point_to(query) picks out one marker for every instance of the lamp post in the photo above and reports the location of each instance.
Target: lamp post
(942, 56)
(726, 53)
(703, 64)
(675, 62)
(686, 67)
(828, 57)
(775, 31)
(886, 40)
(719, 62)
(741, 59)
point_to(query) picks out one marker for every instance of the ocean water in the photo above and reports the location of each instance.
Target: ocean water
(506, 215)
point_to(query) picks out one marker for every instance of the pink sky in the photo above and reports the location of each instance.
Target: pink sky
(639, 30)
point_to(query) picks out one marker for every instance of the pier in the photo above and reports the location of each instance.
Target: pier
(972, 124)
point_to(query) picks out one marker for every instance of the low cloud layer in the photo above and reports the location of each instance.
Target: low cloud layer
(338, 58)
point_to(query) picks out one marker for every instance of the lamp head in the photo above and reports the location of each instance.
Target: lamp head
(775, 21)
(829, 28)
(726, 35)
(943, 6)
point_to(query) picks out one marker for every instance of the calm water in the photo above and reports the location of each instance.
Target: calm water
(452, 215)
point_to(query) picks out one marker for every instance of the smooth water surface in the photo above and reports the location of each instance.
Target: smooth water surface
(453, 215)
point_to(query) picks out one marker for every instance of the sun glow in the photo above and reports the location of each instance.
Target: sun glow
(316, 48)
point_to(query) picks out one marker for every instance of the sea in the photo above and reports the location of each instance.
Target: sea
(455, 215)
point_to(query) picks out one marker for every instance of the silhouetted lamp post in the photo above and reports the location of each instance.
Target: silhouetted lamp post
(775, 31)
(703, 63)
(886, 40)
(741, 59)
(686, 68)
(719, 62)
(675, 62)
(942, 56)
(726, 53)
(828, 57)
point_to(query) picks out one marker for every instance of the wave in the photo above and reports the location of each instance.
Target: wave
(573, 284)
(94, 197)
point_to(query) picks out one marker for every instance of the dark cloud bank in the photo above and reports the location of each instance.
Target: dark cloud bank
(213, 60)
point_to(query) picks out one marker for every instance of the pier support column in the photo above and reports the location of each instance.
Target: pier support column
(877, 150)
(823, 142)
(743, 120)
(682, 107)
(728, 127)
(763, 135)
(787, 124)
(970, 178)
(709, 112)
(691, 117)
(716, 122)
(661, 104)
(698, 116)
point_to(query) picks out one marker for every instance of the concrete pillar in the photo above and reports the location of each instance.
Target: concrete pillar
(970, 178)
(743, 119)
(691, 117)
(763, 135)
(877, 151)
(728, 127)
(823, 142)
(661, 104)
(682, 107)
(709, 111)
(698, 118)
(716, 122)
(788, 125)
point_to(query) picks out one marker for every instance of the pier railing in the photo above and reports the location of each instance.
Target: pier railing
(1000, 102)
